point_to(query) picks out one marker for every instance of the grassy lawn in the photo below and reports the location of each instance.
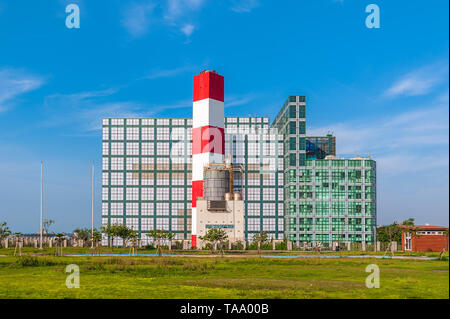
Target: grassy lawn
(201, 277)
(120, 250)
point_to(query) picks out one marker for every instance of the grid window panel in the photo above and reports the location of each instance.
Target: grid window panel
(147, 224)
(105, 148)
(253, 194)
(162, 148)
(132, 209)
(162, 193)
(117, 164)
(105, 179)
(269, 224)
(253, 209)
(162, 209)
(116, 209)
(117, 134)
(117, 122)
(132, 163)
(105, 134)
(163, 133)
(148, 134)
(116, 193)
(105, 163)
(132, 148)
(162, 223)
(147, 193)
(269, 209)
(105, 193)
(116, 178)
(132, 179)
(147, 209)
(105, 209)
(132, 193)
(117, 148)
(254, 224)
(147, 121)
(147, 148)
(132, 133)
(132, 121)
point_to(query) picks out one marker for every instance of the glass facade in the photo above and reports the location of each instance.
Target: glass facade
(318, 147)
(336, 202)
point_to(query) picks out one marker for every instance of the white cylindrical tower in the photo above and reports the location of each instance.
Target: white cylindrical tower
(208, 138)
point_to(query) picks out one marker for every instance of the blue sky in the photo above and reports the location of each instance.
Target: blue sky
(382, 92)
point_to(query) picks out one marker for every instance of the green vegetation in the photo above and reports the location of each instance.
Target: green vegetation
(172, 277)
(215, 236)
(158, 235)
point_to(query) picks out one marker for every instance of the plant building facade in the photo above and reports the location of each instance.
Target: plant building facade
(148, 177)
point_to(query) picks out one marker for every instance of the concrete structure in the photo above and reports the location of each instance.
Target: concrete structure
(153, 175)
(424, 238)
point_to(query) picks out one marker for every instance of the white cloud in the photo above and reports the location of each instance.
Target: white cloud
(188, 29)
(178, 8)
(420, 81)
(241, 6)
(137, 18)
(409, 141)
(86, 109)
(156, 74)
(14, 83)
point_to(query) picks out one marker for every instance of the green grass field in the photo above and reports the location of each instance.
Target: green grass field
(203, 277)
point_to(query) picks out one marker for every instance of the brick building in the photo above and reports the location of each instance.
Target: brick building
(424, 238)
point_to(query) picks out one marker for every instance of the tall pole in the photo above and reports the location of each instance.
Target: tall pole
(92, 207)
(42, 190)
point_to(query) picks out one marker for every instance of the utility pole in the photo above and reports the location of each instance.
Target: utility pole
(42, 189)
(92, 207)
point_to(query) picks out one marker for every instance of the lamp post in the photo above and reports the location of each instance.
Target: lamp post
(42, 189)
(92, 207)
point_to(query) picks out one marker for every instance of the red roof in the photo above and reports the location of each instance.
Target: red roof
(424, 227)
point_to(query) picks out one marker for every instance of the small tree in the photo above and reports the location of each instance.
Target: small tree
(111, 231)
(4, 232)
(18, 237)
(133, 240)
(96, 238)
(83, 234)
(158, 235)
(124, 232)
(260, 239)
(46, 226)
(214, 236)
(408, 222)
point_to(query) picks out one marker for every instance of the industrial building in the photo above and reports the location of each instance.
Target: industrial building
(242, 174)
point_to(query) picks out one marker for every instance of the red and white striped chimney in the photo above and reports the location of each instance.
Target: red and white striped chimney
(208, 138)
